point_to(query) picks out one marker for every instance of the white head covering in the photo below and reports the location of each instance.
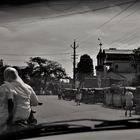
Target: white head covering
(11, 75)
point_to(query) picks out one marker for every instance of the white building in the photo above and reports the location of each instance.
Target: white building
(116, 65)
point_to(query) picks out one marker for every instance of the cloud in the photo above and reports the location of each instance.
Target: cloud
(30, 35)
(114, 9)
(5, 32)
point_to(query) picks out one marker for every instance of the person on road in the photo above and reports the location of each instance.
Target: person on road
(128, 102)
(78, 97)
(22, 97)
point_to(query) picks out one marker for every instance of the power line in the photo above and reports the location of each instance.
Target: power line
(129, 15)
(124, 3)
(133, 12)
(129, 33)
(82, 12)
(116, 15)
(23, 60)
(126, 36)
(12, 54)
(113, 18)
(93, 10)
(134, 37)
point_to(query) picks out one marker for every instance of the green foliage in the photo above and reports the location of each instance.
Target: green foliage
(136, 64)
(41, 70)
(2, 68)
(38, 72)
(84, 68)
(41, 67)
(136, 58)
(136, 81)
(85, 65)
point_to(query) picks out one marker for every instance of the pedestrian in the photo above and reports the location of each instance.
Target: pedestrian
(128, 102)
(22, 97)
(78, 97)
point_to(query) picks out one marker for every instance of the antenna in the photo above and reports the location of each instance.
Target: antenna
(100, 44)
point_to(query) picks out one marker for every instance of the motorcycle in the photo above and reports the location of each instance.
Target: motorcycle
(32, 121)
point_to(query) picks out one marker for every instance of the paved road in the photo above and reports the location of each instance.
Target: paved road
(56, 110)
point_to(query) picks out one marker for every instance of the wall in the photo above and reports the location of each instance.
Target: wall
(93, 82)
(124, 67)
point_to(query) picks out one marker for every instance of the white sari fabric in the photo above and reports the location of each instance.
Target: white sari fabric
(23, 95)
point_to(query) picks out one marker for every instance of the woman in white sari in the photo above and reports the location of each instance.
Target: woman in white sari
(22, 96)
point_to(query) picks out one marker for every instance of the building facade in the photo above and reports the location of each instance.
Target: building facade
(116, 65)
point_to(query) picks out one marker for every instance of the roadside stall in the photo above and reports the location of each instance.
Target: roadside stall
(91, 95)
(98, 95)
(114, 96)
(107, 96)
(69, 94)
(85, 96)
(137, 100)
(118, 96)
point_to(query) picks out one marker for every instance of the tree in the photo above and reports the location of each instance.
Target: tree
(136, 81)
(135, 60)
(2, 68)
(41, 70)
(84, 68)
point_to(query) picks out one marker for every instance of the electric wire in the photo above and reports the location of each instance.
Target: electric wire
(112, 18)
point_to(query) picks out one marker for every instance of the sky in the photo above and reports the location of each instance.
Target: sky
(48, 29)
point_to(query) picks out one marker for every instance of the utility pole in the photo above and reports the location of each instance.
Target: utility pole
(74, 47)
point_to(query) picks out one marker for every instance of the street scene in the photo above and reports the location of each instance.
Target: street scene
(65, 60)
(59, 110)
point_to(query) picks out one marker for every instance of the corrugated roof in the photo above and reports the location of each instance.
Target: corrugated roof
(118, 51)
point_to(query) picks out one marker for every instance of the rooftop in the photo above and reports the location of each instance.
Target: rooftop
(118, 51)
